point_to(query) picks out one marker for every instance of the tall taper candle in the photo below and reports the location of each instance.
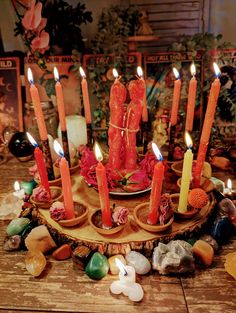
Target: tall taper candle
(176, 98)
(84, 86)
(192, 91)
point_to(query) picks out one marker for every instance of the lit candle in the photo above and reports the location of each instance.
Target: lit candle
(38, 155)
(126, 283)
(66, 182)
(37, 107)
(228, 190)
(115, 132)
(192, 91)
(62, 116)
(176, 98)
(84, 86)
(19, 193)
(103, 189)
(207, 125)
(145, 110)
(186, 175)
(60, 100)
(157, 181)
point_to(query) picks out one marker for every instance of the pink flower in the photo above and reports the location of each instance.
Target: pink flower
(32, 17)
(57, 211)
(120, 215)
(41, 194)
(40, 42)
(137, 181)
(148, 163)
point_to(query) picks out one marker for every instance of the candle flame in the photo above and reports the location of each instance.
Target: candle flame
(188, 140)
(115, 73)
(98, 152)
(121, 266)
(229, 184)
(82, 72)
(30, 76)
(31, 140)
(176, 72)
(58, 148)
(17, 186)
(216, 69)
(56, 74)
(193, 69)
(139, 71)
(157, 152)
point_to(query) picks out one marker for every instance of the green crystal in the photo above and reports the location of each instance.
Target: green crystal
(97, 267)
(28, 186)
(17, 225)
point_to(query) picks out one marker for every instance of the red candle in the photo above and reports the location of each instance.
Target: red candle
(115, 136)
(157, 181)
(133, 116)
(207, 125)
(38, 155)
(60, 101)
(191, 100)
(103, 189)
(176, 98)
(145, 110)
(37, 107)
(84, 86)
(66, 182)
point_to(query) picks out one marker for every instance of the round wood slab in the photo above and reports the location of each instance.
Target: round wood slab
(131, 237)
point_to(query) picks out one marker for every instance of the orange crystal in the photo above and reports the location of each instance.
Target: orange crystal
(203, 251)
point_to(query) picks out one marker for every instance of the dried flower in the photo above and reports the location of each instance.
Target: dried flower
(57, 211)
(120, 215)
(41, 194)
(166, 208)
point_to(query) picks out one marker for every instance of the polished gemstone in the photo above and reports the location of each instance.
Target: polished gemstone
(12, 243)
(209, 239)
(35, 262)
(140, 263)
(62, 253)
(81, 256)
(203, 251)
(97, 267)
(17, 225)
(222, 229)
(114, 270)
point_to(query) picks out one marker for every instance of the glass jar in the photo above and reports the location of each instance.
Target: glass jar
(50, 117)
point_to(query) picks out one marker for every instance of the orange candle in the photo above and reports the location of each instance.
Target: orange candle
(207, 125)
(176, 98)
(84, 86)
(66, 182)
(38, 155)
(145, 109)
(37, 107)
(157, 181)
(60, 101)
(103, 189)
(191, 100)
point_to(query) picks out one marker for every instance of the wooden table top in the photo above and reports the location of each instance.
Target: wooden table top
(64, 289)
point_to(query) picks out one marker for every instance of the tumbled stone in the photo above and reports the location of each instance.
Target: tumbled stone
(114, 270)
(81, 256)
(203, 251)
(230, 264)
(35, 262)
(62, 253)
(12, 243)
(227, 207)
(17, 225)
(140, 263)
(97, 266)
(174, 257)
(222, 229)
(40, 239)
(211, 241)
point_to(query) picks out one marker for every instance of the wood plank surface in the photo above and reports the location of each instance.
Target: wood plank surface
(62, 288)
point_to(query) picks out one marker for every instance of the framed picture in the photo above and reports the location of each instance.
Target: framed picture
(100, 78)
(45, 82)
(225, 126)
(160, 83)
(10, 95)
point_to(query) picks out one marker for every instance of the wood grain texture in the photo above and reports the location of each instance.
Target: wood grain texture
(61, 288)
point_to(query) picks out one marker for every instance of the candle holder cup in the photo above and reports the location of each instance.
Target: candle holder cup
(56, 195)
(95, 220)
(81, 212)
(205, 183)
(141, 214)
(182, 215)
(177, 167)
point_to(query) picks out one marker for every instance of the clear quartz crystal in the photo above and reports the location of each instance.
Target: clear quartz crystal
(10, 206)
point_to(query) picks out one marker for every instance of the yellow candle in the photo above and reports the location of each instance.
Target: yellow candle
(191, 100)
(186, 176)
(84, 86)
